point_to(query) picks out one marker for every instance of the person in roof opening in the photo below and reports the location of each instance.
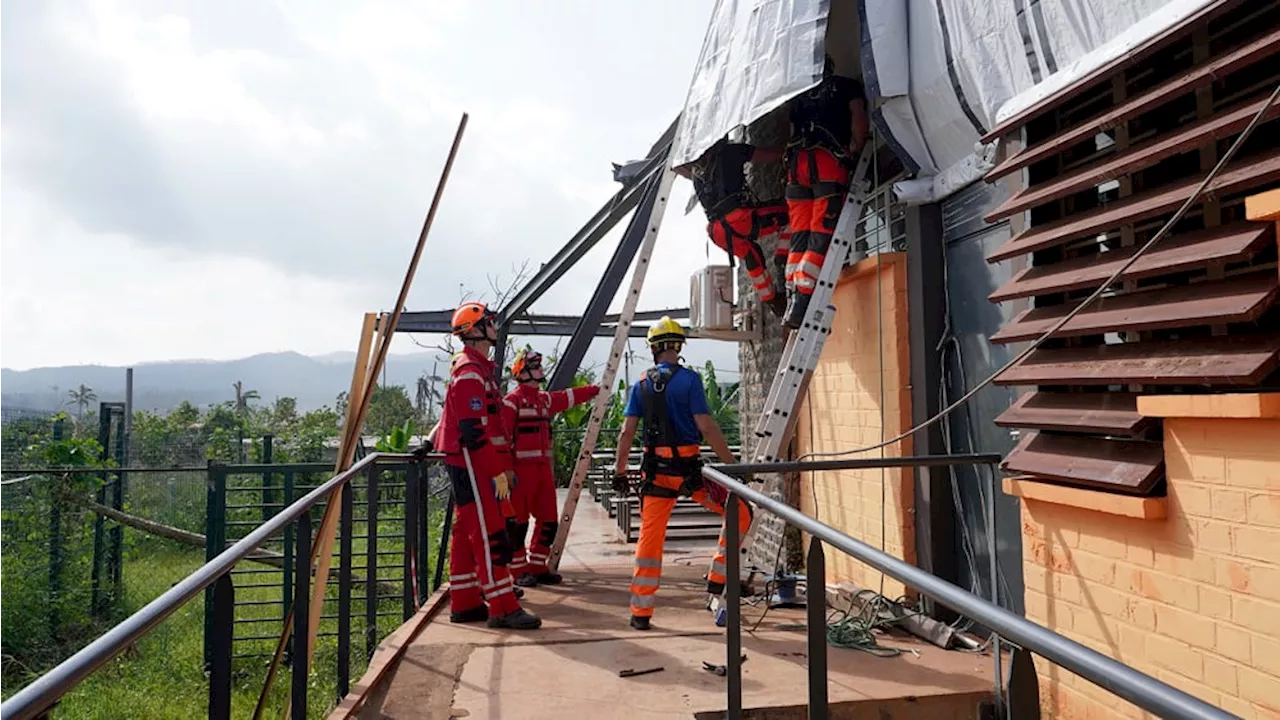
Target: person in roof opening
(736, 221)
(673, 404)
(474, 442)
(828, 130)
(526, 413)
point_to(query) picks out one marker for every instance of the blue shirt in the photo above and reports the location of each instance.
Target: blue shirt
(685, 398)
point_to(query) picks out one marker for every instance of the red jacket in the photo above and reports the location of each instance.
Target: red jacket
(471, 418)
(526, 414)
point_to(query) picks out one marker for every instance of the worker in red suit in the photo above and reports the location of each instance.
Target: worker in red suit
(526, 413)
(736, 221)
(828, 130)
(474, 442)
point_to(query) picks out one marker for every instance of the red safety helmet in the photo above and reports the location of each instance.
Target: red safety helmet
(526, 361)
(471, 316)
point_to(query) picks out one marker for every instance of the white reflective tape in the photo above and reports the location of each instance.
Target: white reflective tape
(456, 578)
(463, 586)
(490, 595)
(501, 583)
(529, 453)
(643, 601)
(570, 392)
(644, 582)
(529, 412)
(649, 562)
(468, 375)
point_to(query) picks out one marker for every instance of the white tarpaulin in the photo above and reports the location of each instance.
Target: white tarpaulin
(940, 73)
(757, 54)
(974, 63)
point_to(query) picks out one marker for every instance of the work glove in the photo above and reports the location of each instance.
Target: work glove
(621, 484)
(502, 485)
(420, 455)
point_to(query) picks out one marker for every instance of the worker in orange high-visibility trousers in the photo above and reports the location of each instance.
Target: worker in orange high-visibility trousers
(526, 413)
(673, 403)
(736, 221)
(828, 130)
(474, 442)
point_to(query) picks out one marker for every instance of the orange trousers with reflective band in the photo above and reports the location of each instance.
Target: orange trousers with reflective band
(655, 512)
(739, 232)
(816, 185)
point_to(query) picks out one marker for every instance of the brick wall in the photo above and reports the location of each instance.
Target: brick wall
(845, 408)
(1192, 599)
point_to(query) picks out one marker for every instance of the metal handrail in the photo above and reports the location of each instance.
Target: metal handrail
(1107, 673)
(46, 690)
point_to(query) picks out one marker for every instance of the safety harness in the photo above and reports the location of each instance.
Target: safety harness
(661, 444)
(717, 211)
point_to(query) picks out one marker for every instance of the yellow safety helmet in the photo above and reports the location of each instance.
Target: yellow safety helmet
(665, 331)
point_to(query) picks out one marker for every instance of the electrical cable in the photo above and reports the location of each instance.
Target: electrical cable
(1097, 293)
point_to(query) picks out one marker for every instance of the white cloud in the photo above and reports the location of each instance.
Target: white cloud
(254, 174)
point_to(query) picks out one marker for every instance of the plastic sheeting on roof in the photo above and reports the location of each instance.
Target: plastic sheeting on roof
(757, 54)
(940, 72)
(975, 62)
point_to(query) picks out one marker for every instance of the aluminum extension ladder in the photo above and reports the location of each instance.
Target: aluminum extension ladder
(804, 346)
(620, 336)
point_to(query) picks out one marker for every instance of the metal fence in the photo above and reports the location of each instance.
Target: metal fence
(397, 490)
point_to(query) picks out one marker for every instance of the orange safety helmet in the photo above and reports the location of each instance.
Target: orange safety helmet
(472, 316)
(526, 360)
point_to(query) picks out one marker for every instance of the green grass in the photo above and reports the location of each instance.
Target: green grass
(162, 676)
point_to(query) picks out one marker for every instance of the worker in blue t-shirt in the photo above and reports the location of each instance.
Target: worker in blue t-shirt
(673, 403)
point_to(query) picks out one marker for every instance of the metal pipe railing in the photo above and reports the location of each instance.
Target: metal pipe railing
(46, 690)
(1111, 675)
(875, 463)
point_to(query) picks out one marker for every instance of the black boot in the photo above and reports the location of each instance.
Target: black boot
(777, 305)
(475, 614)
(518, 593)
(518, 620)
(796, 308)
(527, 580)
(639, 622)
(549, 578)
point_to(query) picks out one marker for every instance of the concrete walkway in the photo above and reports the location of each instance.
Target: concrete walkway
(568, 670)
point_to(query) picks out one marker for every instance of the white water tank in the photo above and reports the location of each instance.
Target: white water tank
(711, 298)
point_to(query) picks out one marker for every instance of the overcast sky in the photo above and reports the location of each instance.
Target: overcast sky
(194, 179)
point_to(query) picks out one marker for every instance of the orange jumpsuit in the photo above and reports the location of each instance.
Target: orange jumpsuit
(671, 469)
(474, 442)
(526, 413)
(817, 175)
(735, 223)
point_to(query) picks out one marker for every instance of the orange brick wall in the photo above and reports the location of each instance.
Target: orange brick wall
(844, 410)
(1193, 599)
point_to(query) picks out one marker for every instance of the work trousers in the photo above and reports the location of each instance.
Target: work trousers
(817, 182)
(655, 513)
(480, 549)
(534, 496)
(739, 232)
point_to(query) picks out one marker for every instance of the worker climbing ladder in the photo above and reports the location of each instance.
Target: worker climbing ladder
(662, 189)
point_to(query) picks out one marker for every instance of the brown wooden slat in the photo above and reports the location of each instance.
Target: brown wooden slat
(1128, 466)
(1109, 413)
(1232, 300)
(1198, 77)
(1133, 159)
(1227, 243)
(1240, 175)
(1223, 360)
